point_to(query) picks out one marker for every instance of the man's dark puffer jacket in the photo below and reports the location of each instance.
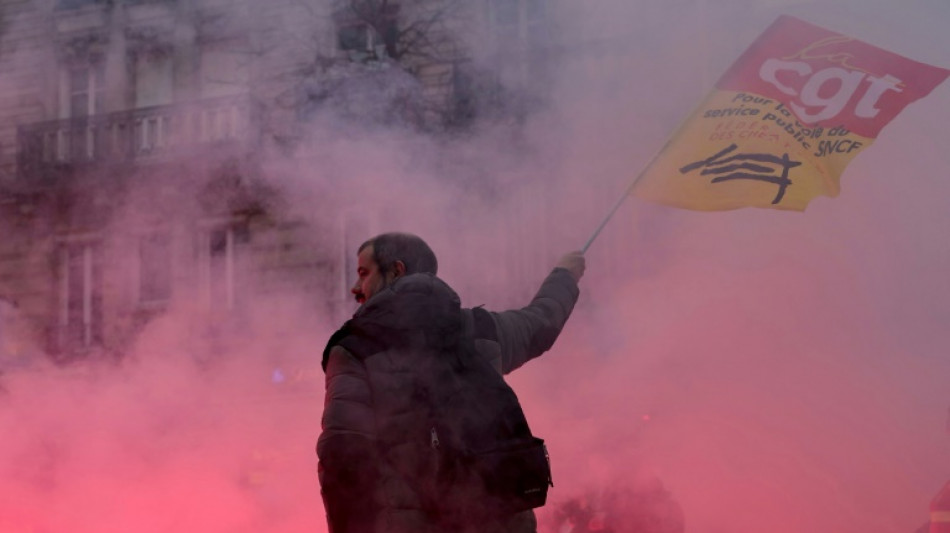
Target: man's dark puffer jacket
(365, 489)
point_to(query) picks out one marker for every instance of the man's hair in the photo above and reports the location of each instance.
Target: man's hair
(406, 247)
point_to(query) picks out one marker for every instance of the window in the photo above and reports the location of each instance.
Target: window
(535, 31)
(506, 15)
(355, 36)
(80, 295)
(367, 31)
(517, 16)
(223, 254)
(84, 90)
(153, 84)
(153, 79)
(155, 268)
(520, 32)
(224, 74)
(81, 96)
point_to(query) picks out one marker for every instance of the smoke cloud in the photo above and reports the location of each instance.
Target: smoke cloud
(734, 372)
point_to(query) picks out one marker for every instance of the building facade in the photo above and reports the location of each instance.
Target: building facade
(135, 133)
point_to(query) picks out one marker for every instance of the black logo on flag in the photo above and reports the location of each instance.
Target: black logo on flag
(726, 166)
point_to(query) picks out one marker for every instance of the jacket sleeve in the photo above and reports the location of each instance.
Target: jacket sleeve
(530, 331)
(346, 448)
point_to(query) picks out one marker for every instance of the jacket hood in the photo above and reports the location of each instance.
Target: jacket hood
(412, 301)
(416, 310)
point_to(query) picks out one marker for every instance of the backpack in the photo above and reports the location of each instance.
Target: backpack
(479, 457)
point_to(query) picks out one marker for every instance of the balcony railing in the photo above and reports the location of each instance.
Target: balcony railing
(137, 134)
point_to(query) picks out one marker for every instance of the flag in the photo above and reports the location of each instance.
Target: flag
(784, 121)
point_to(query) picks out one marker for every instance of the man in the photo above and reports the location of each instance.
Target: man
(368, 467)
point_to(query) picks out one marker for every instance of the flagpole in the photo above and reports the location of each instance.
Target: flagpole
(625, 194)
(629, 189)
(610, 214)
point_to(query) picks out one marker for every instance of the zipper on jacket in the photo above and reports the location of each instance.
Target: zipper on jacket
(434, 438)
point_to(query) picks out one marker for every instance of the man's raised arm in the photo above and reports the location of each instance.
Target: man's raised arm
(530, 331)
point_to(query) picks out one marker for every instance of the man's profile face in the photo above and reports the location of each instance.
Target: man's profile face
(369, 281)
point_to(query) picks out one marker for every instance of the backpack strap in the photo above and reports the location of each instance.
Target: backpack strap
(483, 325)
(363, 340)
(354, 339)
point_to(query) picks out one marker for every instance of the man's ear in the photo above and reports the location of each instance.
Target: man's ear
(399, 269)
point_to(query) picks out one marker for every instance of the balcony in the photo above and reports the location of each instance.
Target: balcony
(141, 135)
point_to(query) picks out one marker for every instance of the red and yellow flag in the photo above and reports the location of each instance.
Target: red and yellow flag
(784, 121)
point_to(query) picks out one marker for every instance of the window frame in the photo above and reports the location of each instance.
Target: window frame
(90, 317)
(237, 235)
(93, 89)
(142, 298)
(516, 42)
